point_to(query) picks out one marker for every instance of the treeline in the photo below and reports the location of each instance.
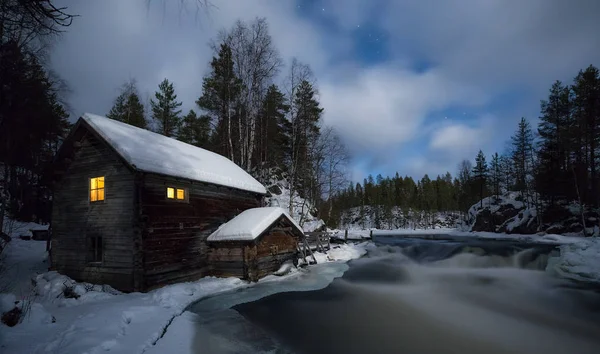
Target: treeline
(555, 165)
(558, 163)
(378, 199)
(33, 118)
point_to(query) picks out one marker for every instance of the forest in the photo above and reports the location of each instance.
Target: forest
(258, 111)
(553, 165)
(265, 115)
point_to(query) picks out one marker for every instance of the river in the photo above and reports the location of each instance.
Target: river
(412, 296)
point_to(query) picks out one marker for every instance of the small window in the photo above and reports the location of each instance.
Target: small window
(95, 249)
(97, 189)
(176, 193)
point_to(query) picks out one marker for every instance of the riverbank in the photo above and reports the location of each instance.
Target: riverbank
(93, 318)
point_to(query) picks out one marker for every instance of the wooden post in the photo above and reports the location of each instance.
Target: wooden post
(371, 234)
(346, 235)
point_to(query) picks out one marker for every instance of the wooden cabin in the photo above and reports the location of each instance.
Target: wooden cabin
(133, 208)
(255, 243)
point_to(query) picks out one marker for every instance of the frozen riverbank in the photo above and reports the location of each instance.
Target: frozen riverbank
(101, 319)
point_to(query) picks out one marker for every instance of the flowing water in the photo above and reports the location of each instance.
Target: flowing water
(412, 296)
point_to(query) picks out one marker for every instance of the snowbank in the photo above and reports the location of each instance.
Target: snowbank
(374, 217)
(495, 203)
(301, 209)
(15, 228)
(578, 261)
(68, 317)
(343, 252)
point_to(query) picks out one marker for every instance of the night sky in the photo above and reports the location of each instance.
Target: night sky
(412, 86)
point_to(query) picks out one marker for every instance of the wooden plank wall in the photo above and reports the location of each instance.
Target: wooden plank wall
(174, 234)
(254, 260)
(74, 218)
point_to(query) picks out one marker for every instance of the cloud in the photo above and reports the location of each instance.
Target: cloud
(388, 113)
(458, 138)
(384, 106)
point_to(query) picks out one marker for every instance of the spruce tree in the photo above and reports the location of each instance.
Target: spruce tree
(220, 95)
(273, 130)
(495, 174)
(195, 130)
(553, 175)
(165, 110)
(128, 108)
(305, 132)
(480, 174)
(586, 132)
(522, 146)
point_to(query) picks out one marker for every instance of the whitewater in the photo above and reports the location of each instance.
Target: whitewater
(413, 296)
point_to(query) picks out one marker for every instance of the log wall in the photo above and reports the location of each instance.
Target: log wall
(174, 232)
(256, 259)
(75, 219)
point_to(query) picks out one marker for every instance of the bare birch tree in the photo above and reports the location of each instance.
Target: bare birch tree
(256, 63)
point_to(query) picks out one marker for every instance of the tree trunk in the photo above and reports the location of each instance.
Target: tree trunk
(580, 204)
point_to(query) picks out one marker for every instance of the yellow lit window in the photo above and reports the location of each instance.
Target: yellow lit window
(96, 189)
(175, 193)
(170, 193)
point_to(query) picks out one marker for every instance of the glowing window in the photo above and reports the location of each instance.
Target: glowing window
(175, 193)
(97, 189)
(170, 193)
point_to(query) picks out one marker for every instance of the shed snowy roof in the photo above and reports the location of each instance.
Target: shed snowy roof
(152, 152)
(250, 224)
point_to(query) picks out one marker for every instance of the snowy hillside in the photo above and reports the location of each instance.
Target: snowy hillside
(371, 217)
(509, 213)
(302, 211)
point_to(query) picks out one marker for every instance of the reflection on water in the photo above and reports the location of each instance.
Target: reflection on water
(427, 297)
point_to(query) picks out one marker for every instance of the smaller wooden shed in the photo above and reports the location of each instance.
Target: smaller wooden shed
(254, 244)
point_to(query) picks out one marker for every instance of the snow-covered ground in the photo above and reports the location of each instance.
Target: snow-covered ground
(578, 261)
(301, 209)
(97, 318)
(374, 217)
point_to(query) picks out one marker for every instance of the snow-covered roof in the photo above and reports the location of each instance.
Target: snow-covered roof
(152, 152)
(250, 224)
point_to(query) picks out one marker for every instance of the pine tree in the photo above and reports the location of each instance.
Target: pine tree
(128, 108)
(165, 109)
(553, 175)
(507, 174)
(480, 174)
(304, 137)
(273, 130)
(522, 146)
(195, 130)
(495, 174)
(220, 94)
(33, 125)
(586, 132)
